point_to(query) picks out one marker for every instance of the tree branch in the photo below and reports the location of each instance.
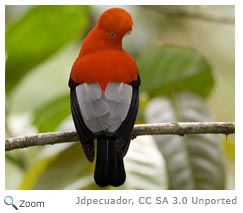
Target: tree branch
(174, 128)
(180, 12)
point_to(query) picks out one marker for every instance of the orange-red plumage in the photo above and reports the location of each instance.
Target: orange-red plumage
(102, 58)
(104, 67)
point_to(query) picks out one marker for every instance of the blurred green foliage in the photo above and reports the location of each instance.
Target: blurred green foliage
(193, 161)
(41, 45)
(173, 68)
(50, 112)
(38, 34)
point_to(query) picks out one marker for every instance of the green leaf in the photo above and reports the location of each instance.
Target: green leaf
(229, 147)
(145, 166)
(68, 169)
(168, 69)
(193, 161)
(48, 116)
(38, 34)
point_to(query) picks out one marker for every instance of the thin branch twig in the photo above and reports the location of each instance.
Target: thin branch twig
(180, 12)
(174, 128)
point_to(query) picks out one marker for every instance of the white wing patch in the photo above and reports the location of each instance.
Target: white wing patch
(104, 111)
(119, 97)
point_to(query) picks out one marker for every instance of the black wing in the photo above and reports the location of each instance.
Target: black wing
(124, 133)
(85, 135)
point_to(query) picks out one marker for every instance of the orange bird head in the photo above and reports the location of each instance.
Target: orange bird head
(112, 25)
(116, 20)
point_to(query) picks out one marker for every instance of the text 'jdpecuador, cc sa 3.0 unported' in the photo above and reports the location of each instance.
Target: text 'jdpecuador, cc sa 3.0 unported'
(156, 200)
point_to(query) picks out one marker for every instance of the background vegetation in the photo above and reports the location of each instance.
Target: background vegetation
(186, 63)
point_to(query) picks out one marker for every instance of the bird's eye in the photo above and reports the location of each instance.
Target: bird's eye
(112, 34)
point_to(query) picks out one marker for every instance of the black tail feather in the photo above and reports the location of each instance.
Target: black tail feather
(109, 168)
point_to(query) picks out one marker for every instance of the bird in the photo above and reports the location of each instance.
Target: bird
(104, 96)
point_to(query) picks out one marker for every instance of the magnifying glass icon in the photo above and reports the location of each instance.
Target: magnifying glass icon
(8, 200)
